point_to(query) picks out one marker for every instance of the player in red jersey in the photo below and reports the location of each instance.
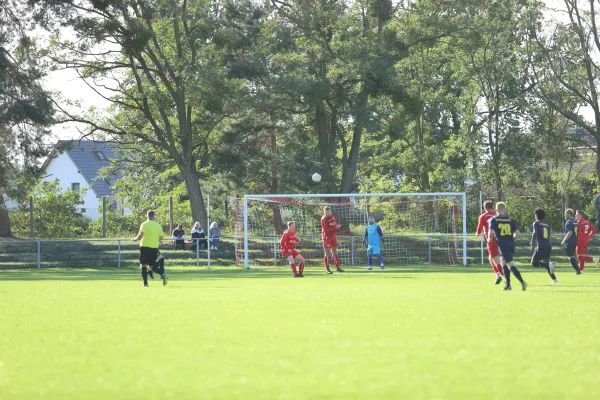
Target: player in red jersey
(585, 230)
(287, 245)
(493, 251)
(329, 226)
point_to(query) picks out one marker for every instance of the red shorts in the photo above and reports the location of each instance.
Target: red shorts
(286, 254)
(581, 249)
(330, 243)
(493, 249)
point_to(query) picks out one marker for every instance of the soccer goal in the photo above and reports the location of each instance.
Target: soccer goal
(419, 228)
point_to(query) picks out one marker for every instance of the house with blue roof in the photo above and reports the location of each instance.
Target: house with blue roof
(76, 164)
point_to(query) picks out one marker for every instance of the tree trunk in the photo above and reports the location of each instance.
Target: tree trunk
(192, 184)
(4, 219)
(350, 165)
(423, 174)
(277, 222)
(325, 146)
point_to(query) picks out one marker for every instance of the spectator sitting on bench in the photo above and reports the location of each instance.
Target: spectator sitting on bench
(214, 234)
(199, 236)
(179, 238)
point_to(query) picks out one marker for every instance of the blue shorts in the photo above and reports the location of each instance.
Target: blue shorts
(507, 252)
(373, 250)
(570, 250)
(542, 253)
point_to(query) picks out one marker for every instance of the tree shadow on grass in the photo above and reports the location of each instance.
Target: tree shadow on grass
(227, 273)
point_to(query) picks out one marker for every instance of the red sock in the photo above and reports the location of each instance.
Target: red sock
(587, 258)
(336, 260)
(581, 262)
(301, 268)
(293, 268)
(500, 269)
(495, 268)
(326, 259)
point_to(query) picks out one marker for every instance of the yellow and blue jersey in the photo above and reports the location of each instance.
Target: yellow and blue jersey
(504, 228)
(571, 226)
(542, 234)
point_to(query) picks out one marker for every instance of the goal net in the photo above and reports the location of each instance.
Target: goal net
(419, 228)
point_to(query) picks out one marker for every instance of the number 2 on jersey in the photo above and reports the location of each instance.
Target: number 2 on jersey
(504, 229)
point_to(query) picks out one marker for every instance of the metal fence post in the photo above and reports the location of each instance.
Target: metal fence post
(119, 251)
(208, 228)
(38, 254)
(429, 245)
(275, 251)
(103, 216)
(197, 241)
(353, 251)
(30, 217)
(170, 213)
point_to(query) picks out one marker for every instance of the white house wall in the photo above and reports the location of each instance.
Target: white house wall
(63, 169)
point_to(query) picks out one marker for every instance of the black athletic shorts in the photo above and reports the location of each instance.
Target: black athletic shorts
(507, 252)
(148, 256)
(542, 253)
(570, 250)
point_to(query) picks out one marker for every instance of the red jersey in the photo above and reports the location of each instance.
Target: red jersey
(288, 240)
(484, 223)
(328, 226)
(585, 230)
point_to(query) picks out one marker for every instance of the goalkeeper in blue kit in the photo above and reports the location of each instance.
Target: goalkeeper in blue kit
(374, 238)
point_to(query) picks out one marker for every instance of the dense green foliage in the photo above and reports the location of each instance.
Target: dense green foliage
(56, 213)
(419, 333)
(232, 97)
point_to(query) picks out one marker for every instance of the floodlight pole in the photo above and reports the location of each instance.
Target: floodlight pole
(30, 217)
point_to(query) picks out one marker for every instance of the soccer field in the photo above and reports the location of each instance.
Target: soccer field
(412, 333)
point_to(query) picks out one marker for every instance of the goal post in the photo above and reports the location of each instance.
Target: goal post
(419, 228)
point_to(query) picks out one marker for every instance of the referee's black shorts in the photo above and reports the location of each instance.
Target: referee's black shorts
(148, 256)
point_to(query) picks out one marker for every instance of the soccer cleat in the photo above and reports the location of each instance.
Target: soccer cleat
(150, 274)
(297, 276)
(506, 288)
(165, 279)
(370, 268)
(554, 280)
(328, 271)
(524, 285)
(578, 272)
(145, 285)
(338, 269)
(300, 276)
(383, 268)
(498, 279)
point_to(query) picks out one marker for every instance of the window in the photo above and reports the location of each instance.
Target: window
(75, 186)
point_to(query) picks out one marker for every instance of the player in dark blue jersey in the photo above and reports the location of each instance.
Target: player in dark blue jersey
(504, 230)
(570, 240)
(541, 245)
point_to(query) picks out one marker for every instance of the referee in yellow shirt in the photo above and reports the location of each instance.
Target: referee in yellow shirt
(151, 233)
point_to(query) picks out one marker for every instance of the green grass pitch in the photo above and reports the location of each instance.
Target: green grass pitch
(411, 333)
